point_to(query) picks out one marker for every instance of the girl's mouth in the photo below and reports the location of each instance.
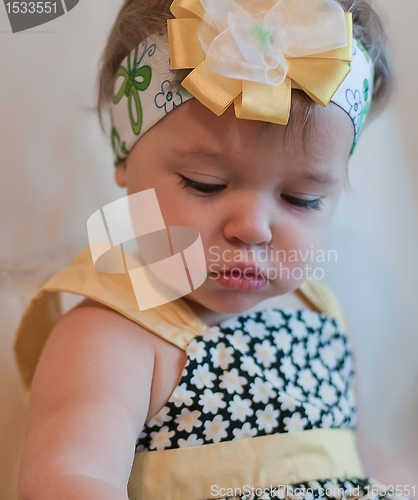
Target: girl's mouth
(241, 278)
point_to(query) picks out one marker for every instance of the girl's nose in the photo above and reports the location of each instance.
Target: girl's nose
(249, 221)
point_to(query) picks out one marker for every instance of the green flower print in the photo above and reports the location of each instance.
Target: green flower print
(137, 78)
(117, 145)
(366, 89)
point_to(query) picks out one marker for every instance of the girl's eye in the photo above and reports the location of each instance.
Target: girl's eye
(202, 187)
(300, 202)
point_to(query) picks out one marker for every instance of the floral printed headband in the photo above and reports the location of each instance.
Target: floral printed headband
(247, 52)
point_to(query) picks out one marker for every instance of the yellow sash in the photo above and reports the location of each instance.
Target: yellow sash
(261, 462)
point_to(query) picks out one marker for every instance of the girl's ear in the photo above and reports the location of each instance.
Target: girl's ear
(120, 174)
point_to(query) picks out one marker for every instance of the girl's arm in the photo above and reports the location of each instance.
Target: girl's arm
(90, 398)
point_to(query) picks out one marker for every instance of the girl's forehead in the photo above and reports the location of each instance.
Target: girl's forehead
(312, 136)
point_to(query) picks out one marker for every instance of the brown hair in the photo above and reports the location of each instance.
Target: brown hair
(138, 19)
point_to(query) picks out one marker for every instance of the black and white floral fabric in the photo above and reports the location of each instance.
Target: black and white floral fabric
(263, 373)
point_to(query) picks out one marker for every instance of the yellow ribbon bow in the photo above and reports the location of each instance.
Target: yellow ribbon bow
(318, 74)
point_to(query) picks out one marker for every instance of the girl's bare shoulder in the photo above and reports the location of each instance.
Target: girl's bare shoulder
(100, 331)
(91, 333)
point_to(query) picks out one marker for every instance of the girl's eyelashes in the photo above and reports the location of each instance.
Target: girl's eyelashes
(302, 203)
(207, 188)
(201, 187)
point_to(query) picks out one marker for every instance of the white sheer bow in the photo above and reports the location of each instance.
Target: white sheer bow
(251, 40)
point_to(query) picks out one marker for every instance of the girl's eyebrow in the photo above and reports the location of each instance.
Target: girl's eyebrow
(197, 150)
(320, 177)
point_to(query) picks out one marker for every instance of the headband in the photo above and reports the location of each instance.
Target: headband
(251, 57)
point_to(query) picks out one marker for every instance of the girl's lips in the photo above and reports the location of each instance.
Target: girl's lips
(235, 279)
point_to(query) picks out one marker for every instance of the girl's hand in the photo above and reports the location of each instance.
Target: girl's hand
(90, 398)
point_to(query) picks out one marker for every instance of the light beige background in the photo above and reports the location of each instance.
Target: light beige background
(56, 171)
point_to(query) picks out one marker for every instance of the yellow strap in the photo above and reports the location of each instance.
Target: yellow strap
(279, 459)
(175, 322)
(321, 297)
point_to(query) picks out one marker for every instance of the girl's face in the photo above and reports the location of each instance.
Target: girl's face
(261, 195)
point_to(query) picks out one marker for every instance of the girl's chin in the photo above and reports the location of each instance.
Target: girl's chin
(222, 304)
(212, 303)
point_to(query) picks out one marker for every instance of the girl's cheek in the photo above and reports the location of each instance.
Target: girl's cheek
(300, 231)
